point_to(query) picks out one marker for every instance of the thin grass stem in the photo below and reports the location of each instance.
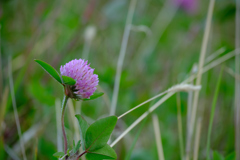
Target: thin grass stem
(179, 121)
(189, 109)
(199, 74)
(160, 24)
(3, 107)
(197, 139)
(191, 78)
(122, 55)
(159, 95)
(215, 55)
(74, 120)
(75, 124)
(144, 115)
(157, 132)
(135, 140)
(15, 108)
(58, 125)
(212, 113)
(11, 153)
(237, 82)
(200, 67)
(175, 88)
(232, 73)
(1, 74)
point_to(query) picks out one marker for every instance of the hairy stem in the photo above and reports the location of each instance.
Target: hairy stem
(65, 99)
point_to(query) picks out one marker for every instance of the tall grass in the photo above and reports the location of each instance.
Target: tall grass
(200, 67)
(237, 82)
(15, 108)
(180, 129)
(129, 153)
(158, 137)
(214, 103)
(197, 139)
(41, 41)
(122, 53)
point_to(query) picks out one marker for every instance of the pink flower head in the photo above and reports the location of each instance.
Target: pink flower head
(188, 5)
(86, 81)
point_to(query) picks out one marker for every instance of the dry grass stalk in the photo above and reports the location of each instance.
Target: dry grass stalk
(191, 78)
(197, 139)
(176, 88)
(215, 55)
(157, 132)
(122, 55)
(200, 67)
(179, 121)
(232, 73)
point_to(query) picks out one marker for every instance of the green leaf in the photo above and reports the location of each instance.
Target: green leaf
(76, 148)
(73, 144)
(99, 132)
(58, 154)
(106, 152)
(68, 152)
(217, 156)
(68, 80)
(94, 96)
(231, 156)
(50, 70)
(83, 128)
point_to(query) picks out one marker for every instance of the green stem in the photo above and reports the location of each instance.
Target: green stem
(212, 113)
(65, 99)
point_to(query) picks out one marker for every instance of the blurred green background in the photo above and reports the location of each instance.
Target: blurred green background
(58, 31)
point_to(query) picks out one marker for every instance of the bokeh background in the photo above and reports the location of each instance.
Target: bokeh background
(164, 43)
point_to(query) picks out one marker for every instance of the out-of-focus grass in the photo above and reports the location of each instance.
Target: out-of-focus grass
(53, 32)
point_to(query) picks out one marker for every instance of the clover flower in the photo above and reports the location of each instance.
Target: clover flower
(86, 81)
(188, 5)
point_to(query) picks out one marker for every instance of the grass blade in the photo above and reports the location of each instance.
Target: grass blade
(128, 156)
(200, 68)
(212, 113)
(15, 108)
(122, 55)
(2, 114)
(180, 133)
(158, 137)
(237, 82)
(197, 139)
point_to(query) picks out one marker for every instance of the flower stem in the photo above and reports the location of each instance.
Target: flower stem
(65, 99)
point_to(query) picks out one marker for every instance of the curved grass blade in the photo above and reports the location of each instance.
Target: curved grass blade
(50, 70)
